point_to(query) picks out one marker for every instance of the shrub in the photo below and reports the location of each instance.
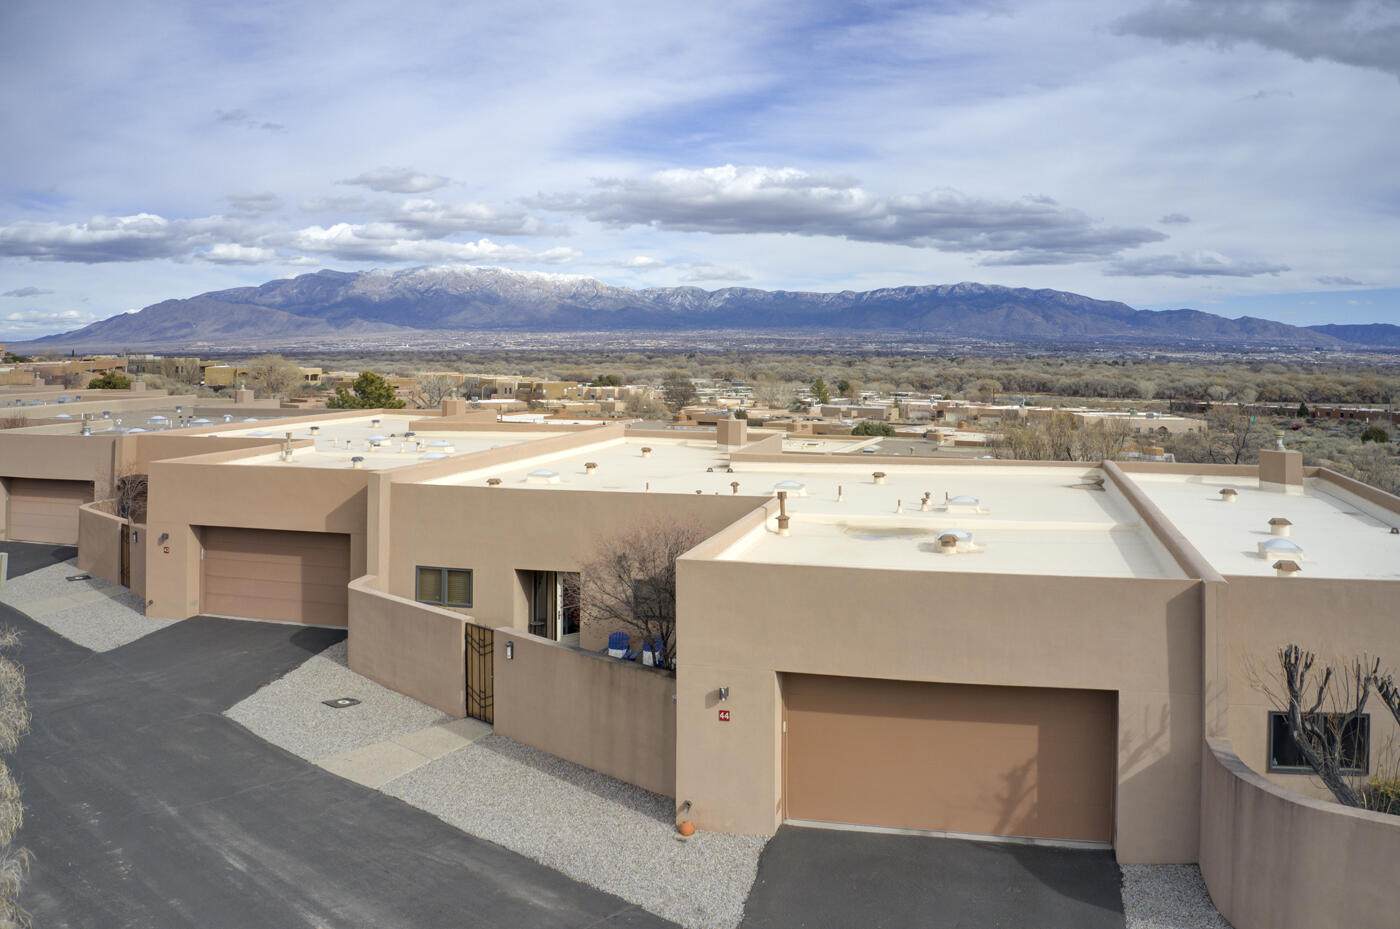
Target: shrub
(1383, 795)
(112, 380)
(870, 428)
(1375, 434)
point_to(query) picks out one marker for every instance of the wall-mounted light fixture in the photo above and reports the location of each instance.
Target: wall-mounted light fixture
(724, 693)
(163, 537)
(510, 651)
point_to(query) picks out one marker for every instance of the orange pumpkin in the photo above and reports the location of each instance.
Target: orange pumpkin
(686, 828)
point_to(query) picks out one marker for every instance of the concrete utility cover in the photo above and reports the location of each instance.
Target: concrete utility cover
(145, 807)
(837, 878)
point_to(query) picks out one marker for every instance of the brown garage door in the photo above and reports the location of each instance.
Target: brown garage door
(1015, 761)
(46, 511)
(297, 577)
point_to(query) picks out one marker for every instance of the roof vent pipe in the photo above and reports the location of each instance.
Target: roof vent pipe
(493, 482)
(899, 506)
(783, 518)
(646, 451)
(734, 485)
(1229, 495)
(374, 422)
(924, 504)
(357, 462)
(947, 544)
(315, 429)
(1280, 526)
(840, 493)
(590, 466)
(879, 477)
(1286, 568)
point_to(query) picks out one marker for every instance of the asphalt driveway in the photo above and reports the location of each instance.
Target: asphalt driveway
(839, 879)
(145, 807)
(31, 556)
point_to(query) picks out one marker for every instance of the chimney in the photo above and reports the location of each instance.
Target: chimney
(783, 517)
(1281, 471)
(1279, 526)
(453, 407)
(241, 395)
(732, 433)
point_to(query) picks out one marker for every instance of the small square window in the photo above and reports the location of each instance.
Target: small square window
(444, 586)
(1355, 735)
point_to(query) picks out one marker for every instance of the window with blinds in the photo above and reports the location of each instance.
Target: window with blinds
(444, 586)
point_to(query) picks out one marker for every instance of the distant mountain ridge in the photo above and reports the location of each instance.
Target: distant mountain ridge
(462, 299)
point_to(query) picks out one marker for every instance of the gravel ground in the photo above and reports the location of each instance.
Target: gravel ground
(289, 712)
(589, 826)
(1168, 896)
(102, 616)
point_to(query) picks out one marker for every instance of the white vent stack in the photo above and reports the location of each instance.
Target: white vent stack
(357, 462)
(924, 503)
(589, 467)
(374, 423)
(646, 451)
(493, 482)
(783, 518)
(1229, 495)
(1286, 568)
(315, 429)
(1279, 526)
(879, 477)
(840, 493)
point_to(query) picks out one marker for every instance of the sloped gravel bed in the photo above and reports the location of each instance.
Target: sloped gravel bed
(104, 616)
(289, 712)
(592, 827)
(1171, 896)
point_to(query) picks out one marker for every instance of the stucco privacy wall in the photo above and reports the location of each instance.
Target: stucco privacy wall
(206, 490)
(1338, 619)
(612, 716)
(100, 541)
(416, 649)
(1275, 860)
(740, 624)
(497, 531)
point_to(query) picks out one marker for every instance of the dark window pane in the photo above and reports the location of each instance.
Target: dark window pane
(430, 585)
(1353, 735)
(459, 588)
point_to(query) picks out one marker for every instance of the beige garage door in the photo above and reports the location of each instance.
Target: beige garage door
(1015, 761)
(46, 511)
(297, 577)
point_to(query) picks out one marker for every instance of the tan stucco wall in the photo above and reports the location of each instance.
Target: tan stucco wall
(100, 542)
(1339, 620)
(740, 624)
(1275, 860)
(497, 531)
(410, 647)
(615, 717)
(188, 493)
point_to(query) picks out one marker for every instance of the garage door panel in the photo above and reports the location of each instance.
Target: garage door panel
(46, 510)
(278, 575)
(957, 758)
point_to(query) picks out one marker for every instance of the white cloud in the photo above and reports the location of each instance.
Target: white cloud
(1194, 264)
(700, 273)
(398, 181)
(385, 242)
(254, 204)
(755, 199)
(231, 254)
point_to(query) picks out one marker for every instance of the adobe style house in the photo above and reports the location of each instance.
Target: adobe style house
(1038, 651)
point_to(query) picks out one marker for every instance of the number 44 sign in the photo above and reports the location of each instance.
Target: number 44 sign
(724, 716)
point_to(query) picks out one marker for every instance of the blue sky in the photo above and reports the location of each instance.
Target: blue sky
(1231, 155)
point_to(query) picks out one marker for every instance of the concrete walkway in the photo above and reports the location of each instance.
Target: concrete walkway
(147, 807)
(378, 764)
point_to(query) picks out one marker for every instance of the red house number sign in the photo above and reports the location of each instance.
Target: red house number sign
(724, 716)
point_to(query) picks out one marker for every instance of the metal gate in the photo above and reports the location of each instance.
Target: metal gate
(125, 568)
(481, 643)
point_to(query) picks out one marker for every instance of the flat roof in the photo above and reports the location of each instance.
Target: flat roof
(377, 438)
(1340, 534)
(1062, 521)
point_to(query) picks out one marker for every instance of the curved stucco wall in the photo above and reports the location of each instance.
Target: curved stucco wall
(1274, 859)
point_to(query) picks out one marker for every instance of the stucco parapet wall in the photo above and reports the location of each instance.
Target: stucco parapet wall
(99, 540)
(1187, 467)
(414, 648)
(1375, 495)
(1274, 859)
(1187, 555)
